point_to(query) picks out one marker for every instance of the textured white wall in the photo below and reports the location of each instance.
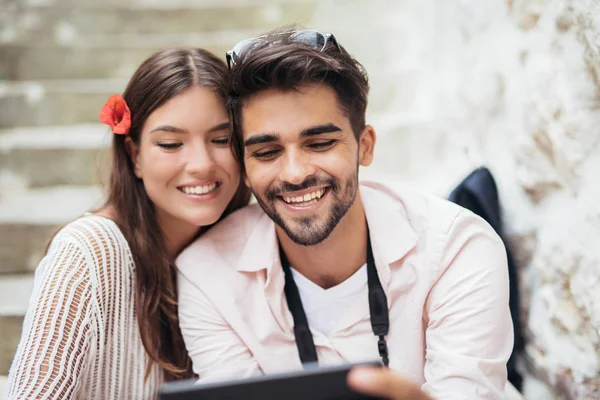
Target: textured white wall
(513, 85)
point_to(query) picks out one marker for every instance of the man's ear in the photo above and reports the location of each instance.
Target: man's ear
(366, 146)
(133, 152)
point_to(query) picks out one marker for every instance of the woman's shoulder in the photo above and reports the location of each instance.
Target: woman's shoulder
(94, 235)
(93, 248)
(91, 229)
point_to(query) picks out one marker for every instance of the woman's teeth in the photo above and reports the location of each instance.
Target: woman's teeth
(306, 200)
(204, 189)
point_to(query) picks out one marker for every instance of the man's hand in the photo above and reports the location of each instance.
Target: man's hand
(382, 382)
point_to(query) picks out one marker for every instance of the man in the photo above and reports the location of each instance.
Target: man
(326, 269)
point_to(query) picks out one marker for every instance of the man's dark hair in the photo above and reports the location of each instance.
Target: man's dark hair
(277, 61)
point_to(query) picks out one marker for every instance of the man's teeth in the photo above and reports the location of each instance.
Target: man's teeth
(309, 198)
(199, 189)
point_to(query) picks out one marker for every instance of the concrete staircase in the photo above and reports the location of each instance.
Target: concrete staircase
(59, 62)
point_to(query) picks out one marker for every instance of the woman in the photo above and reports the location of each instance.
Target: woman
(102, 320)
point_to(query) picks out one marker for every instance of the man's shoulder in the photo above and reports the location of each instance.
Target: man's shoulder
(425, 211)
(224, 242)
(441, 228)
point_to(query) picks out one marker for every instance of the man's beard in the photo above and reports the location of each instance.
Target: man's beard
(308, 230)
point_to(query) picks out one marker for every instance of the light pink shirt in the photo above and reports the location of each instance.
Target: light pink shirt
(443, 269)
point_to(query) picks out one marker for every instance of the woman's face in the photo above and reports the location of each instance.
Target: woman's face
(185, 162)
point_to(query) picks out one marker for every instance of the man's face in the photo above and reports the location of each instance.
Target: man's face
(302, 159)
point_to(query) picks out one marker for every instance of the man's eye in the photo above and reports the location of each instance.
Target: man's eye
(221, 141)
(322, 145)
(265, 155)
(169, 146)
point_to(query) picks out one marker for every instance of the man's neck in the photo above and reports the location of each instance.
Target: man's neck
(338, 257)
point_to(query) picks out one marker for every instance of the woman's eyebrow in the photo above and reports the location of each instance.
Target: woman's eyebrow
(220, 127)
(168, 128)
(174, 129)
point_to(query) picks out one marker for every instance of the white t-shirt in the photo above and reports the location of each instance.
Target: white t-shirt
(325, 307)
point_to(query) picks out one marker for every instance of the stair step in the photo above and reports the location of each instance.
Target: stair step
(63, 22)
(3, 386)
(56, 155)
(26, 227)
(61, 204)
(15, 291)
(151, 4)
(61, 102)
(10, 334)
(106, 56)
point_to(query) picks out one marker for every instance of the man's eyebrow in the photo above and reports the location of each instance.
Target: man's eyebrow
(261, 138)
(308, 132)
(319, 130)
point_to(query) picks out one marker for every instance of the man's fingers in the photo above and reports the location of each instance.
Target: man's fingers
(382, 382)
(377, 382)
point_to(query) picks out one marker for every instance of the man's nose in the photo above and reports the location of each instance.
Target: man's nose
(296, 167)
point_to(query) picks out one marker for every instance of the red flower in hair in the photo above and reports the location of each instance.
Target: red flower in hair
(116, 114)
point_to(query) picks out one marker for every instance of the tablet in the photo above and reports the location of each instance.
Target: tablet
(311, 383)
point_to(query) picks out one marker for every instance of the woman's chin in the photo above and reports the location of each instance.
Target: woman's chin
(203, 220)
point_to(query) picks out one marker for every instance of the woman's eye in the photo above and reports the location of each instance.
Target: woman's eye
(221, 141)
(322, 145)
(169, 146)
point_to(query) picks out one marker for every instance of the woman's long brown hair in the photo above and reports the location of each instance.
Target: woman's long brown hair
(160, 78)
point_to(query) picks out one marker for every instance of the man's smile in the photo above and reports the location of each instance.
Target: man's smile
(304, 198)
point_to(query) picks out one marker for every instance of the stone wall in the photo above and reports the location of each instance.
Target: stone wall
(513, 85)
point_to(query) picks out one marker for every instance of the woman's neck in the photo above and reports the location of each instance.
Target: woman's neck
(177, 234)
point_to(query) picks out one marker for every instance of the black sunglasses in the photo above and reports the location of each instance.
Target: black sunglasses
(309, 37)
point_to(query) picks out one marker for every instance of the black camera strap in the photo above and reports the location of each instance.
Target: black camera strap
(380, 321)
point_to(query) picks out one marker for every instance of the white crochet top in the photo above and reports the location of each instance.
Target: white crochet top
(80, 336)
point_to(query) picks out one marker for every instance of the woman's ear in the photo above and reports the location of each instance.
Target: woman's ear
(133, 152)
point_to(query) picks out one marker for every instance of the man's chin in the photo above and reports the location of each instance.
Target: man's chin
(304, 234)
(304, 230)
(298, 224)
(304, 240)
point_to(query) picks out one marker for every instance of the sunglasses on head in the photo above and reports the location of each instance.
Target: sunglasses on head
(315, 39)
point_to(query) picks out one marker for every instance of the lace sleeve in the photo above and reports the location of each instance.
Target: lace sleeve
(56, 341)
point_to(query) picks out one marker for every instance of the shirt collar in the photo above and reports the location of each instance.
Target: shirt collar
(391, 232)
(261, 250)
(392, 236)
